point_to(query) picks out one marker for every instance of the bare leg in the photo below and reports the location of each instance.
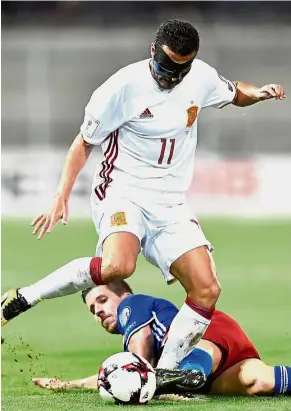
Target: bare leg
(248, 377)
(120, 254)
(196, 272)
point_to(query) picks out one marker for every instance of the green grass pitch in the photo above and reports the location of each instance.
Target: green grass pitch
(59, 338)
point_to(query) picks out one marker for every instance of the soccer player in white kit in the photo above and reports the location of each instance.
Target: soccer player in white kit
(145, 119)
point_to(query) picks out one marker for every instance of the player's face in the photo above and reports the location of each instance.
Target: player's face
(168, 67)
(103, 303)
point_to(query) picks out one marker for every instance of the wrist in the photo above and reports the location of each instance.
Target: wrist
(257, 95)
(61, 195)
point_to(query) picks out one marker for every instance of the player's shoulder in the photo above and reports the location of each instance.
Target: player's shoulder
(145, 297)
(148, 302)
(135, 299)
(202, 69)
(126, 82)
(133, 311)
(132, 73)
(201, 65)
(130, 303)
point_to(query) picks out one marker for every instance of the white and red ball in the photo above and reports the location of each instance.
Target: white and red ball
(126, 378)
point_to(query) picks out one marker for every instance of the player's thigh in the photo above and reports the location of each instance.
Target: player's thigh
(247, 377)
(120, 227)
(195, 269)
(172, 251)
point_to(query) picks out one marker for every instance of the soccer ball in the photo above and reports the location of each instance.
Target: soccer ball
(126, 378)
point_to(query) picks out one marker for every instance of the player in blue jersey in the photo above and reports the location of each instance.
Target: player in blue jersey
(225, 354)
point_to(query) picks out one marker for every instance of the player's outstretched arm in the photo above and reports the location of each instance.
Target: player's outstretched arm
(248, 94)
(142, 343)
(56, 384)
(74, 162)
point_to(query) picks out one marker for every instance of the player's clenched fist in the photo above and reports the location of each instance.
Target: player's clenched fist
(45, 223)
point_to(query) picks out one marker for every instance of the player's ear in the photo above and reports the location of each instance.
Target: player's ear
(153, 49)
(126, 294)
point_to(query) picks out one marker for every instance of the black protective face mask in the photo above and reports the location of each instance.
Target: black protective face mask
(168, 73)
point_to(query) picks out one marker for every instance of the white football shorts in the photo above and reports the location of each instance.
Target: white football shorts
(165, 232)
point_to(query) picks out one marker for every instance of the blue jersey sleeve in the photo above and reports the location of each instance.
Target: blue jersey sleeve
(138, 310)
(134, 313)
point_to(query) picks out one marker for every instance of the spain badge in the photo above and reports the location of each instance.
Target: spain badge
(118, 218)
(192, 114)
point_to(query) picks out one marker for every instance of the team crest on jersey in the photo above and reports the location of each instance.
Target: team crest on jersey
(124, 316)
(118, 218)
(192, 115)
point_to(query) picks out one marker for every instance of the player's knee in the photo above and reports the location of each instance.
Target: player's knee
(255, 382)
(259, 385)
(215, 290)
(248, 380)
(257, 377)
(207, 295)
(126, 269)
(118, 269)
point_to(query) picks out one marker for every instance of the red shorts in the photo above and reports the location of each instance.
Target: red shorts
(228, 335)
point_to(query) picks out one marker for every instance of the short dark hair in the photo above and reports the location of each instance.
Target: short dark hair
(180, 36)
(118, 286)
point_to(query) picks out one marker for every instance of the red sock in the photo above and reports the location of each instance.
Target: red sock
(203, 311)
(95, 270)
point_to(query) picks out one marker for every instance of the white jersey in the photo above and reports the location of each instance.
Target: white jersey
(148, 136)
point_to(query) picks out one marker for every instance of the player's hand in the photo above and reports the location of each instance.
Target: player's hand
(271, 91)
(56, 384)
(50, 383)
(45, 223)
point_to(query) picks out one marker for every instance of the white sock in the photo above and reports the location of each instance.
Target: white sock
(69, 279)
(185, 332)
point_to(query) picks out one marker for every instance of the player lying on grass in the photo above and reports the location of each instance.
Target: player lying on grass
(225, 354)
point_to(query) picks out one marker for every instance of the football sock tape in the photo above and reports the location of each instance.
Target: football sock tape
(282, 379)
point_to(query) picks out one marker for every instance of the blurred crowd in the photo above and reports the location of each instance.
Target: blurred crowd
(114, 12)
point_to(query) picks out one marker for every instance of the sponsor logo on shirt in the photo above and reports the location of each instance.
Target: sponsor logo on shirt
(118, 219)
(146, 114)
(124, 316)
(192, 115)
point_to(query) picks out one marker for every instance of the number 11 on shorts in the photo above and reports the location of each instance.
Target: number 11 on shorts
(163, 149)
